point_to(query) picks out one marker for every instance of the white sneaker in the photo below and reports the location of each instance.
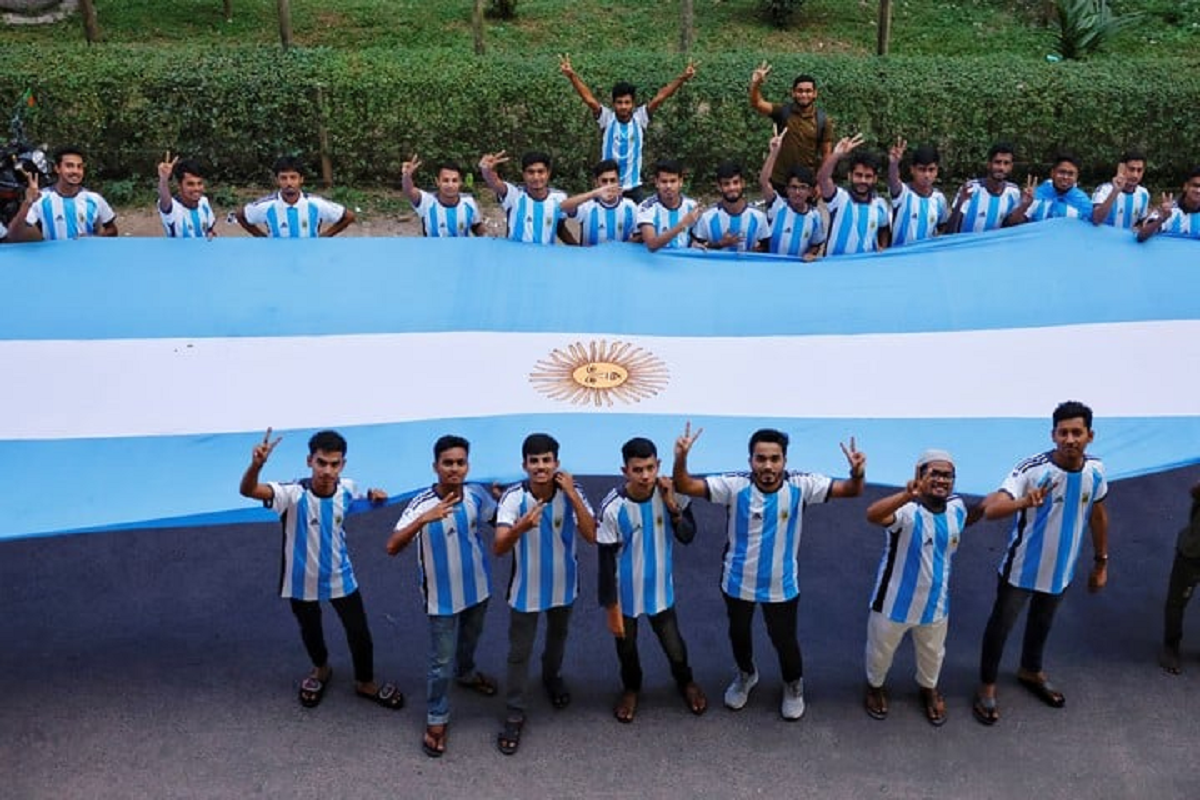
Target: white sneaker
(738, 692)
(792, 707)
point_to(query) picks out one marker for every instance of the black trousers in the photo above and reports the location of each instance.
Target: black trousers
(781, 627)
(358, 636)
(1185, 574)
(1009, 602)
(666, 627)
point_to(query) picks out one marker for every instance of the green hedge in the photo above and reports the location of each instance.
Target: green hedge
(237, 109)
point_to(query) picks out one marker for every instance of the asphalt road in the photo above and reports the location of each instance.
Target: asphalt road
(160, 664)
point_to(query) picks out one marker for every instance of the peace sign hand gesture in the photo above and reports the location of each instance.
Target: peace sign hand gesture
(847, 144)
(856, 459)
(262, 450)
(760, 74)
(412, 165)
(167, 166)
(683, 444)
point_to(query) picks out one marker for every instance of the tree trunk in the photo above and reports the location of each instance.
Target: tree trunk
(285, 22)
(91, 28)
(229, 10)
(687, 25)
(885, 27)
(477, 27)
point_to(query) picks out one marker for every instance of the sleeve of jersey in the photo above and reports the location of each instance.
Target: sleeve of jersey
(764, 228)
(1101, 194)
(1014, 484)
(839, 199)
(256, 212)
(1102, 487)
(510, 196)
(903, 516)
(607, 532)
(328, 210)
(819, 234)
(722, 488)
(3, 230)
(413, 510)
(700, 228)
(898, 200)
(606, 116)
(104, 212)
(641, 116)
(510, 507)
(423, 200)
(35, 211)
(943, 209)
(487, 503)
(645, 214)
(814, 485)
(283, 496)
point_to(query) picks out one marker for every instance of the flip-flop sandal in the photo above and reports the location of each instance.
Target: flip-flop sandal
(985, 710)
(935, 707)
(387, 696)
(626, 708)
(560, 697)
(509, 739)
(434, 741)
(695, 699)
(876, 702)
(478, 682)
(1044, 691)
(312, 690)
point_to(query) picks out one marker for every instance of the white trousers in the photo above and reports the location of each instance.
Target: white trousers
(884, 636)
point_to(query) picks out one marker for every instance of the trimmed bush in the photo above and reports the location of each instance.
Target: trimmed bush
(237, 109)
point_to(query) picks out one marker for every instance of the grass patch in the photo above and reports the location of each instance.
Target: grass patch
(920, 27)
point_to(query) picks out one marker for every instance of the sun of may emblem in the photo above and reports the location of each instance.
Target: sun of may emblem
(597, 372)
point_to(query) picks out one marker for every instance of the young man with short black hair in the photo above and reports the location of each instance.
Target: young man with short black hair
(1176, 219)
(666, 218)
(604, 215)
(188, 214)
(859, 219)
(920, 209)
(67, 210)
(316, 562)
(1059, 196)
(637, 523)
(448, 212)
(732, 224)
(797, 228)
(983, 204)
(534, 210)
(455, 579)
(291, 212)
(810, 131)
(538, 521)
(766, 507)
(1123, 202)
(623, 126)
(1053, 498)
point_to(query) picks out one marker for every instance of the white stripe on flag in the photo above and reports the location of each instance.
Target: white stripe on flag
(140, 387)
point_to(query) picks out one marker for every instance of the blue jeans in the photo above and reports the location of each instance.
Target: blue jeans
(452, 640)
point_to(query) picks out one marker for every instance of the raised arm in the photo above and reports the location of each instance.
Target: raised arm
(685, 482)
(1157, 219)
(508, 535)
(1001, 504)
(768, 167)
(671, 88)
(250, 486)
(19, 229)
(1019, 214)
(165, 168)
(402, 536)
(606, 194)
(883, 511)
(406, 179)
(487, 168)
(895, 156)
(954, 224)
(1100, 210)
(757, 78)
(829, 164)
(853, 486)
(581, 88)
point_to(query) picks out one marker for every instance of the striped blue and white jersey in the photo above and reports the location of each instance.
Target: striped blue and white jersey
(645, 534)
(750, 225)
(764, 533)
(1129, 209)
(985, 211)
(69, 217)
(793, 233)
(917, 218)
(455, 571)
(653, 213)
(182, 222)
(3, 230)
(532, 221)
(854, 227)
(1044, 543)
(439, 221)
(1049, 203)
(545, 569)
(303, 220)
(600, 224)
(316, 563)
(1182, 223)
(913, 581)
(622, 142)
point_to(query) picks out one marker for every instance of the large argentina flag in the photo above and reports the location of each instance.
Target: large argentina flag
(139, 373)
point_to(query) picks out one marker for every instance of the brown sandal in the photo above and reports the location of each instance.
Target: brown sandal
(935, 706)
(693, 695)
(876, 702)
(434, 743)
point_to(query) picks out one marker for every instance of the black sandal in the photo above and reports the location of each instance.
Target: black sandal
(556, 688)
(509, 739)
